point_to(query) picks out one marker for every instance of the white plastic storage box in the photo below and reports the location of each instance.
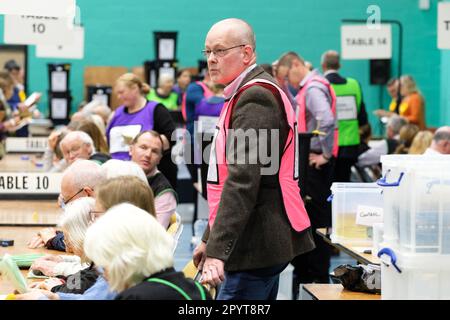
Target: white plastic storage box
(416, 203)
(347, 199)
(415, 277)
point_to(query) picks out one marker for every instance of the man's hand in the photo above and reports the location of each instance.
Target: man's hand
(213, 272)
(36, 242)
(52, 139)
(199, 255)
(317, 160)
(47, 284)
(10, 124)
(47, 234)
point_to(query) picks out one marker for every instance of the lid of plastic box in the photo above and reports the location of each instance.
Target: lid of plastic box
(355, 187)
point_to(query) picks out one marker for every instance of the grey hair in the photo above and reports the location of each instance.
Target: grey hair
(116, 168)
(442, 134)
(165, 77)
(396, 123)
(76, 219)
(81, 135)
(84, 173)
(331, 60)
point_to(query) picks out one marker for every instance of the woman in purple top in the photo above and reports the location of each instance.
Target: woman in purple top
(137, 114)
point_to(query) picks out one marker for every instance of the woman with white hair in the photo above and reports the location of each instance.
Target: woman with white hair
(75, 221)
(164, 93)
(117, 168)
(136, 255)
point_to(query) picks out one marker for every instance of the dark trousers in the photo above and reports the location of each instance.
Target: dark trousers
(258, 284)
(313, 266)
(343, 169)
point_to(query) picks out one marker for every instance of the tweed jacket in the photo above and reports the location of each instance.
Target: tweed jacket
(252, 230)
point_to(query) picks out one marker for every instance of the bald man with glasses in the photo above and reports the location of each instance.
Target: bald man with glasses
(79, 180)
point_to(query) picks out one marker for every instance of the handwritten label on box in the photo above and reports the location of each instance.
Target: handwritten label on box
(367, 216)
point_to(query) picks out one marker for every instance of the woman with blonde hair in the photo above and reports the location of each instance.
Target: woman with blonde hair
(95, 133)
(413, 104)
(137, 114)
(136, 255)
(407, 134)
(121, 189)
(421, 142)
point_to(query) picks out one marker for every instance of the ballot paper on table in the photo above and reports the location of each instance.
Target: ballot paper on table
(11, 272)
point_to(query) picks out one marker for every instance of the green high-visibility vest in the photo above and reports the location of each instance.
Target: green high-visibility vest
(178, 289)
(171, 102)
(348, 106)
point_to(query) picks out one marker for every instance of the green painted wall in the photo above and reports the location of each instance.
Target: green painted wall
(445, 87)
(121, 34)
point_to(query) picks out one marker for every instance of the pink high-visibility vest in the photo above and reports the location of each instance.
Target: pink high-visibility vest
(207, 93)
(301, 102)
(288, 171)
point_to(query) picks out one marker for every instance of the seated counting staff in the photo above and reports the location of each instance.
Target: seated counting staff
(79, 180)
(79, 145)
(130, 189)
(78, 272)
(136, 254)
(146, 150)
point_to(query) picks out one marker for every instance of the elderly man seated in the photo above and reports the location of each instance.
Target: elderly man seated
(79, 180)
(441, 142)
(146, 150)
(79, 145)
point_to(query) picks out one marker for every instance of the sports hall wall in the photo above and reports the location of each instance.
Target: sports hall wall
(120, 33)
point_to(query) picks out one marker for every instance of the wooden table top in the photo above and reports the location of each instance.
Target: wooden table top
(336, 292)
(353, 251)
(29, 212)
(21, 236)
(14, 162)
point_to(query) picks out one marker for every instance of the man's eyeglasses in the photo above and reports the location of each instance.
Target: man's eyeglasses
(95, 214)
(219, 52)
(63, 202)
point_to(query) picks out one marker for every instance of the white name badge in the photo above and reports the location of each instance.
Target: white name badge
(32, 183)
(346, 108)
(207, 124)
(52, 8)
(38, 30)
(368, 216)
(121, 137)
(26, 144)
(74, 50)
